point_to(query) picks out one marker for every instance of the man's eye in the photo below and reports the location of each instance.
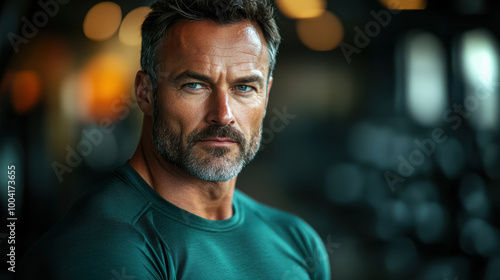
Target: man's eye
(243, 88)
(193, 85)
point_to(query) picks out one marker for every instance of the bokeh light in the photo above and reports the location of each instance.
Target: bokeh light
(473, 196)
(104, 82)
(404, 4)
(426, 79)
(430, 221)
(375, 145)
(451, 158)
(479, 62)
(447, 268)
(68, 100)
(130, 30)
(63, 116)
(419, 192)
(321, 33)
(12, 153)
(401, 213)
(301, 8)
(479, 54)
(56, 61)
(478, 236)
(102, 21)
(26, 91)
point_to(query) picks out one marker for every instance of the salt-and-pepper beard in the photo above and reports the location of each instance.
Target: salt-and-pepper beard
(215, 165)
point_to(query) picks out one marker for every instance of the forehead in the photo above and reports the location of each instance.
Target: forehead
(240, 45)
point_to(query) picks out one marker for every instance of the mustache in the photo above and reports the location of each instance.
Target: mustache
(217, 131)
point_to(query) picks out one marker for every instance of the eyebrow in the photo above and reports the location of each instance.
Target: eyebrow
(204, 78)
(192, 75)
(251, 79)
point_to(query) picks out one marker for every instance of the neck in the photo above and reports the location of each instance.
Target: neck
(207, 199)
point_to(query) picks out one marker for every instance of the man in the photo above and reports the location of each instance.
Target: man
(172, 211)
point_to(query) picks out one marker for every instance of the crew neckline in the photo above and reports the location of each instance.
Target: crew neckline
(134, 179)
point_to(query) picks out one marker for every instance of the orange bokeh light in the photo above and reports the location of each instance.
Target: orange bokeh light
(130, 29)
(103, 84)
(404, 4)
(301, 8)
(322, 33)
(102, 21)
(26, 91)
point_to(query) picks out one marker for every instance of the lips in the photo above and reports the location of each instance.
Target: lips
(219, 139)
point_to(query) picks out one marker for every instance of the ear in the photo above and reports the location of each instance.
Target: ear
(144, 92)
(269, 85)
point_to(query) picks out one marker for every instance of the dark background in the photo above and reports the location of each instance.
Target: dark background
(357, 160)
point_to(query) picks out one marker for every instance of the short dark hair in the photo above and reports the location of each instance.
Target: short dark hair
(165, 13)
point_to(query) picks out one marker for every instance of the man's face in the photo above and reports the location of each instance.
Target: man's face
(212, 97)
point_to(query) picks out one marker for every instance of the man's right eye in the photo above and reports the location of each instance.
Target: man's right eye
(193, 86)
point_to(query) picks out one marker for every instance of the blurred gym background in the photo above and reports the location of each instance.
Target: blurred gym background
(381, 132)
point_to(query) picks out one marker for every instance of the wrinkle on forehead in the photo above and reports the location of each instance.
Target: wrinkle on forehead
(222, 40)
(213, 44)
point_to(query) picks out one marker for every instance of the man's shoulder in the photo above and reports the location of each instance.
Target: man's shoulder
(114, 205)
(103, 223)
(112, 198)
(299, 234)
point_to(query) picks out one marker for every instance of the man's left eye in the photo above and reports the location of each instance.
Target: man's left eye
(244, 88)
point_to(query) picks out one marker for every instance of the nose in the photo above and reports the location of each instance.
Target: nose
(219, 109)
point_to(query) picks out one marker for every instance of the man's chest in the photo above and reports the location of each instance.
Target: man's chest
(251, 254)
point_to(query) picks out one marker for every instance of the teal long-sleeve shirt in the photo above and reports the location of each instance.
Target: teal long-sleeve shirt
(122, 229)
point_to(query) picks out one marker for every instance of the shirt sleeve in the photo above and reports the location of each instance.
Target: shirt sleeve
(321, 267)
(316, 260)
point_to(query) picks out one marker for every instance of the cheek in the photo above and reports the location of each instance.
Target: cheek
(179, 116)
(254, 121)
